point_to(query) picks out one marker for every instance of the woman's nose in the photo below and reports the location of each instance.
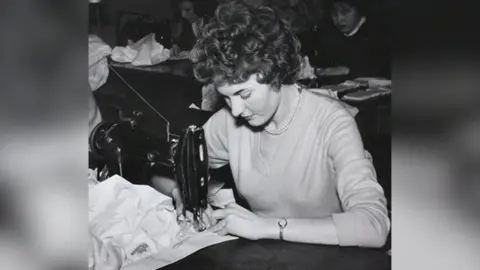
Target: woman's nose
(340, 18)
(238, 106)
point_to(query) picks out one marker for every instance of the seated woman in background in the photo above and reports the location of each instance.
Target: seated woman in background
(353, 43)
(186, 28)
(296, 156)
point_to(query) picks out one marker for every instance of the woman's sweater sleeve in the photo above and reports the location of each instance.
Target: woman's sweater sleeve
(364, 221)
(216, 138)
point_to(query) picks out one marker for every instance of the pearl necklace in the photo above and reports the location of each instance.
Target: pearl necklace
(293, 113)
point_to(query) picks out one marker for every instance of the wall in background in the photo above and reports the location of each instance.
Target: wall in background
(160, 9)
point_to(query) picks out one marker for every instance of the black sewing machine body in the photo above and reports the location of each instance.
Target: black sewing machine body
(191, 171)
(130, 140)
(185, 157)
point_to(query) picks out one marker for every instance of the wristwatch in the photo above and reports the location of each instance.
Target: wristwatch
(282, 223)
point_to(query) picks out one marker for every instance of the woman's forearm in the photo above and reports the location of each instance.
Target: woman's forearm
(312, 231)
(164, 184)
(355, 228)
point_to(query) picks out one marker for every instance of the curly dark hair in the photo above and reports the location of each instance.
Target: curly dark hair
(360, 5)
(241, 40)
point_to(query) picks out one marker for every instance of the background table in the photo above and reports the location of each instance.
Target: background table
(277, 255)
(178, 67)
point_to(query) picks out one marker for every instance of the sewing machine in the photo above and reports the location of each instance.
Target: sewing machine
(126, 139)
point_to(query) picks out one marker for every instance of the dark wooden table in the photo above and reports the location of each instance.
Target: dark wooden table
(276, 255)
(178, 67)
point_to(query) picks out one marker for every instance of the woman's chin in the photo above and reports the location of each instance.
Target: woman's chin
(252, 121)
(257, 124)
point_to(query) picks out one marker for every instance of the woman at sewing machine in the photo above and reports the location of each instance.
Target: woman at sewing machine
(296, 156)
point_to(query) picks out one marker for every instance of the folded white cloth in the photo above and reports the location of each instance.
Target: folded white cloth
(130, 223)
(98, 71)
(103, 256)
(145, 52)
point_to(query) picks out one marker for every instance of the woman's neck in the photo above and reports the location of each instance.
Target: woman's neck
(288, 101)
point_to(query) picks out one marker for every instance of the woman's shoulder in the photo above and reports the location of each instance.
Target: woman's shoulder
(325, 103)
(320, 98)
(224, 119)
(221, 115)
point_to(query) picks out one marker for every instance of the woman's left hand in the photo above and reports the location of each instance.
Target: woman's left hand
(238, 221)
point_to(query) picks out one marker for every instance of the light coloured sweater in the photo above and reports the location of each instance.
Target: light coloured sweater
(317, 168)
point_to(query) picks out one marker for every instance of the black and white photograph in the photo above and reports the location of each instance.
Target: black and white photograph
(242, 134)
(239, 134)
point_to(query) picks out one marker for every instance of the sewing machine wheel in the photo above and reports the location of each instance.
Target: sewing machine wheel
(98, 136)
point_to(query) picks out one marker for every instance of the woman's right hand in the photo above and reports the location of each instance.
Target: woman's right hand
(206, 218)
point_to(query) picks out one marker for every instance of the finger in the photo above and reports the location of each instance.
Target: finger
(207, 216)
(181, 218)
(220, 213)
(189, 216)
(222, 232)
(209, 212)
(206, 220)
(234, 205)
(180, 212)
(223, 213)
(179, 208)
(219, 226)
(237, 208)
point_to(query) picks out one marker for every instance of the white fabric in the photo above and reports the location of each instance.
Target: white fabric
(306, 71)
(98, 71)
(145, 52)
(103, 256)
(129, 223)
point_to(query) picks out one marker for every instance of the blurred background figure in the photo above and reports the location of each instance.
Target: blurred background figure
(295, 11)
(186, 27)
(353, 41)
